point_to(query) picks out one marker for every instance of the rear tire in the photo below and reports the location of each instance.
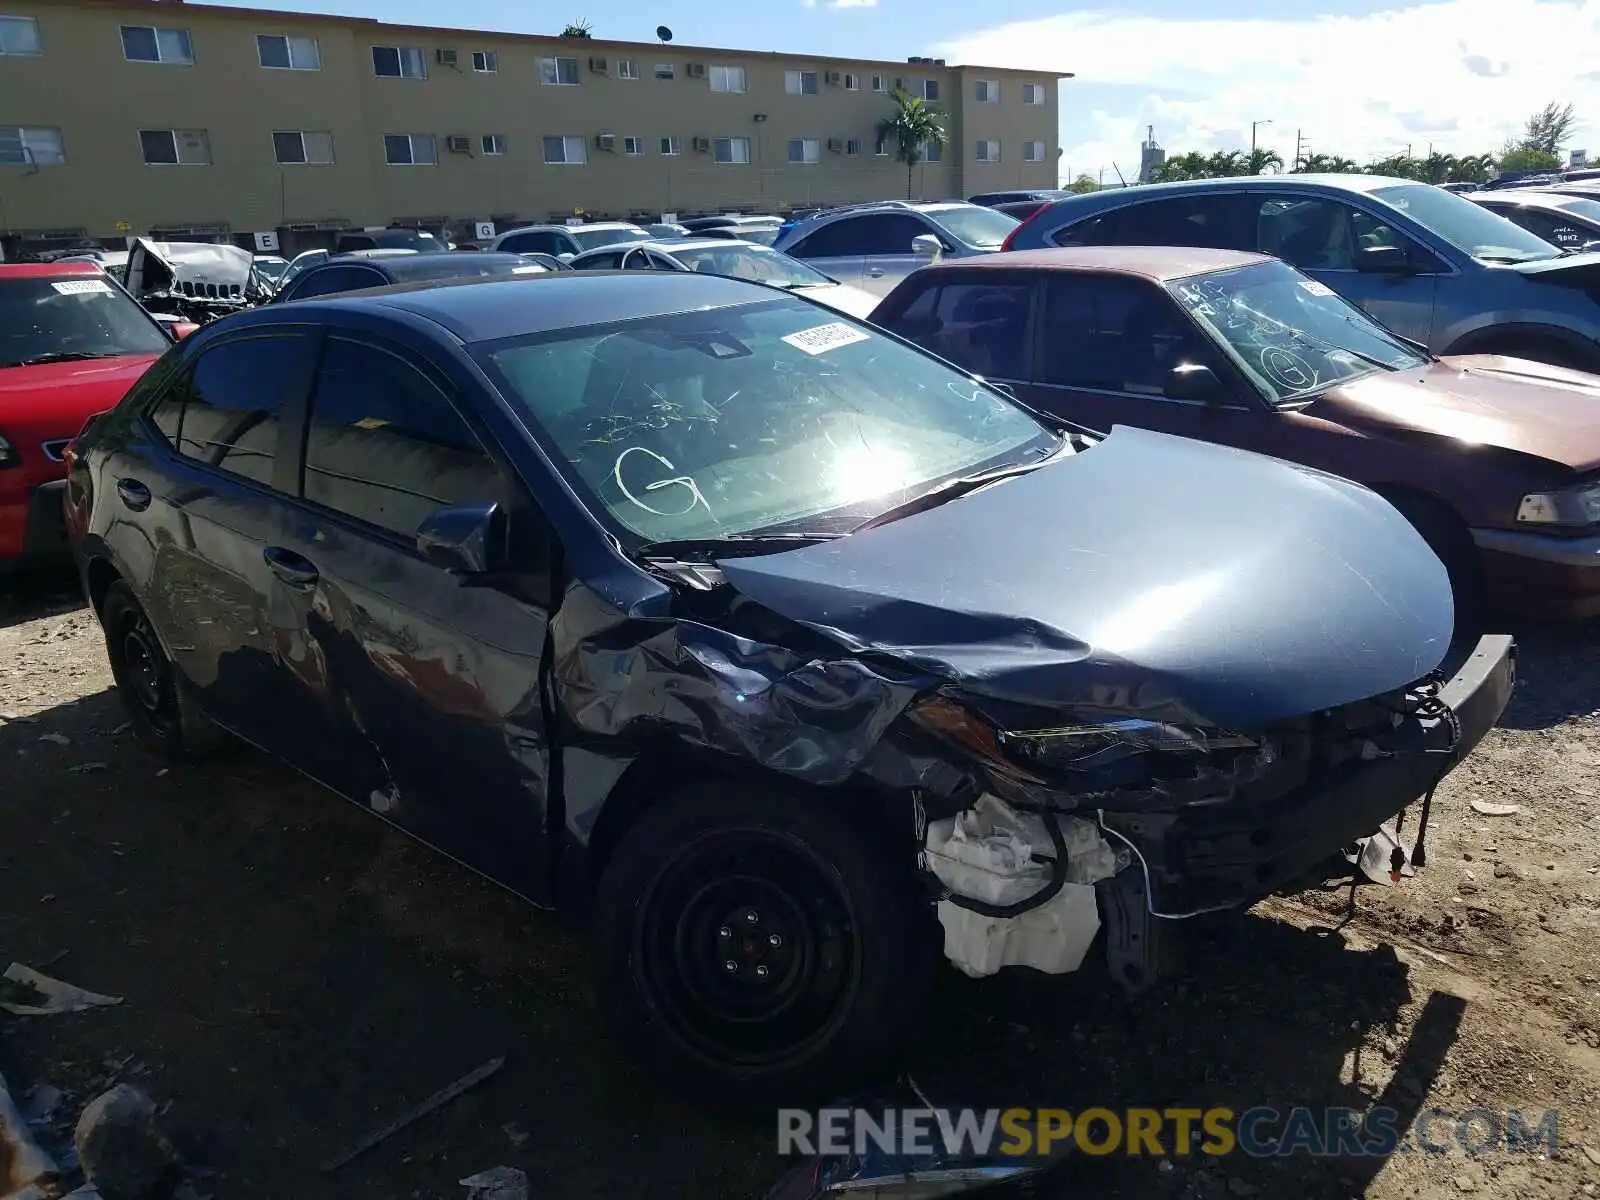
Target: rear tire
(164, 716)
(756, 949)
(1448, 538)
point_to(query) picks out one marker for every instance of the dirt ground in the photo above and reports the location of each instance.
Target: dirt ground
(295, 974)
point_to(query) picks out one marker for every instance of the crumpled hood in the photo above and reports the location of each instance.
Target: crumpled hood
(1487, 400)
(163, 266)
(1146, 572)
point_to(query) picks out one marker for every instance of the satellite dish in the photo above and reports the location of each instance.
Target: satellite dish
(663, 33)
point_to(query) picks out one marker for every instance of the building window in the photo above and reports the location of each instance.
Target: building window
(988, 150)
(880, 148)
(664, 71)
(19, 35)
(672, 145)
(143, 43)
(853, 146)
(852, 83)
(410, 150)
(175, 147)
(399, 62)
(1033, 93)
(800, 83)
(987, 91)
(627, 69)
(485, 62)
(562, 71)
(494, 144)
(633, 147)
(303, 146)
(880, 84)
(565, 151)
(31, 146)
(804, 150)
(1032, 151)
(930, 90)
(932, 152)
(731, 150)
(727, 79)
(279, 52)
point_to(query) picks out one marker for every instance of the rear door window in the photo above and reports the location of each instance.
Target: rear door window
(329, 281)
(542, 241)
(227, 411)
(1211, 220)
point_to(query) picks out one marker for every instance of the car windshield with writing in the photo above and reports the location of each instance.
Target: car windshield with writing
(593, 239)
(1467, 226)
(755, 419)
(981, 227)
(1290, 334)
(754, 263)
(71, 318)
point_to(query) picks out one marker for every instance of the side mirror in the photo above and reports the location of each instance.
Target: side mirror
(1383, 260)
(182, 329)
(566, 257)
(464, 539)
(926, 245)
(1197, 382)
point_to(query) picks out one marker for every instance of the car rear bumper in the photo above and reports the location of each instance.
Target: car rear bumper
(1219, 856)
(32, 527)
(1540, 575)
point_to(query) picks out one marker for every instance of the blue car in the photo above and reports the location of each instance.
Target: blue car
(1430, 265)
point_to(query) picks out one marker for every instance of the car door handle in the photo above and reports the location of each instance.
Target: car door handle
(875, 272)
(133, 494)
(291, 568)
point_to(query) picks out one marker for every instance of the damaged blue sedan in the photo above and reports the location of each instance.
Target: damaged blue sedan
(787, 653)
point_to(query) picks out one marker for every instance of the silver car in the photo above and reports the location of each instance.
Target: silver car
(566, 241)
(875, 246)
(1436, 268)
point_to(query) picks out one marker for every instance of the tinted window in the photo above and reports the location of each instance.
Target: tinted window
(1545, 225)
(1182, 221)
(1114, 334)
(610, 260)
(385, 446)
(1325, 235)
(328, 281)
(232, 402)
(357, 242)
(890, 233)
(836, 240)
(543, 241)
(981, 327)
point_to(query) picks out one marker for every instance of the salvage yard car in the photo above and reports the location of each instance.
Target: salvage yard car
(1430, 265)
(717, 613)
(1494, 460)
(349, 274)
(71, 343)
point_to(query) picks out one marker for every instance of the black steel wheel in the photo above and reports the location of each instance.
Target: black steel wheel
(760, 950)
(162, 715)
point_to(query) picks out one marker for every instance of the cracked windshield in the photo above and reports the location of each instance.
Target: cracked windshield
(1292, 335)
(766, 417)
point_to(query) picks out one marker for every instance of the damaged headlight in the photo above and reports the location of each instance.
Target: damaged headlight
(1103, 744)
(1569, 506)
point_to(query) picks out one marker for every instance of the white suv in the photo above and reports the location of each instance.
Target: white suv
(875, 246)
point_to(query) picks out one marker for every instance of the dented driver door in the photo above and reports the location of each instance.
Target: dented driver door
(433, 686)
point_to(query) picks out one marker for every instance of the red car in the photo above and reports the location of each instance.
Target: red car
(71, 343)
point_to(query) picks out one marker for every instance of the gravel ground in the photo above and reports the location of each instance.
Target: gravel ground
(295, 974)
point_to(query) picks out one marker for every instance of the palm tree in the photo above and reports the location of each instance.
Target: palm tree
(1260, 160)
(1400, 165)
(912, 126)
(1227, 162)
(1327, 164)
(1473, 168)
(1437, 168)
(1192, 165)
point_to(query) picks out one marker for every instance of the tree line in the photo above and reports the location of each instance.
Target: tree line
(1539, 148)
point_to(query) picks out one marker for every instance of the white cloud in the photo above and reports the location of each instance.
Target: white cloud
(841, 4)
(1460, 74)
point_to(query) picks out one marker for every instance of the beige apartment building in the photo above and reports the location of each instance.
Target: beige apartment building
(168, 118)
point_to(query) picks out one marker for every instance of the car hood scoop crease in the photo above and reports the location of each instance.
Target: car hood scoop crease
(1148, 573)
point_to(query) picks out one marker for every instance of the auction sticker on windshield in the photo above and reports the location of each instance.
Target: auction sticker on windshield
(82, 287)
(825, 337)
(1315, 288)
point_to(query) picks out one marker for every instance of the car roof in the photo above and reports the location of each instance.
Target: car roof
(47, 270)
(1160, 263)
(1533, 197)
(483, 310)
(440, 264)
(568, 228)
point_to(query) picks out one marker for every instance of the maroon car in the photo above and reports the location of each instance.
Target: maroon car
(1495, 460)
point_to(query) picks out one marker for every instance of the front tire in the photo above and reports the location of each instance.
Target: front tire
(164, 718)
(1450, 542)
(757, 949)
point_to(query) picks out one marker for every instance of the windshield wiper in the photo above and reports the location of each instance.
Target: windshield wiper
(952, 488)
(732, 543)
(57, 356)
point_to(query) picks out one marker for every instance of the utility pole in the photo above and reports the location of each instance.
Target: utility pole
(1298, 139)
(1254, 125)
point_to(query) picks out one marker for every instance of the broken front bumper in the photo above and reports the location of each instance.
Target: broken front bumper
(1224, 855)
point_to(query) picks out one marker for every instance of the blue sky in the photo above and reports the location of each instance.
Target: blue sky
(1361, 78)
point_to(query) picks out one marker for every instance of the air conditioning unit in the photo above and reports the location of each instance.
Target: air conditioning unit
(703, 144)
(836, 145)
(446, 58)
(696, 71)
(458, 143)
(599, 66)
(606, 141)
(835, 78)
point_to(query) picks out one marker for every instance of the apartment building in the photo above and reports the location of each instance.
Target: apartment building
(177, 119)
